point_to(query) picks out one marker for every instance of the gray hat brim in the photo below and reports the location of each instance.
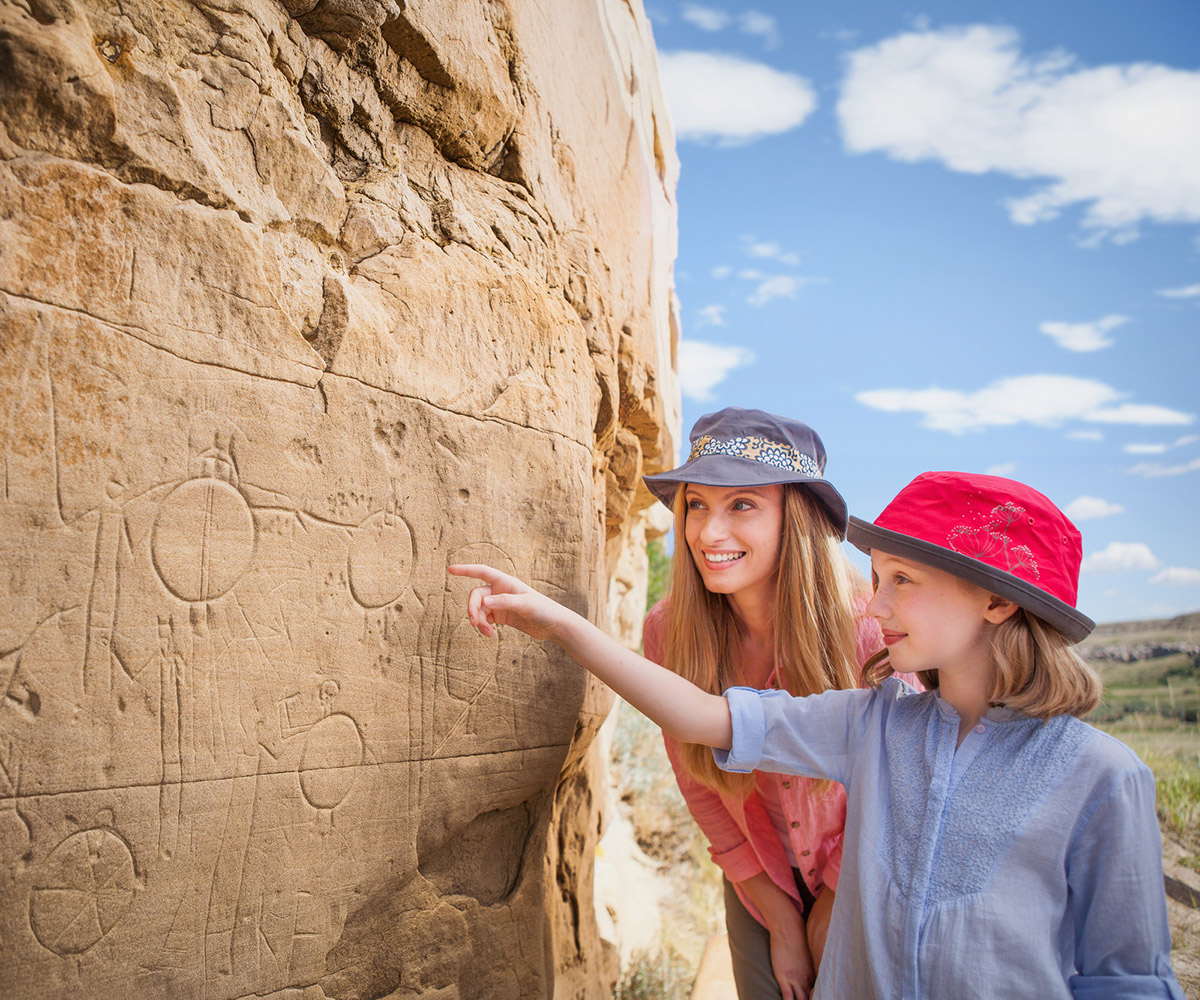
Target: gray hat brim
(732, 471)
(1071, 622)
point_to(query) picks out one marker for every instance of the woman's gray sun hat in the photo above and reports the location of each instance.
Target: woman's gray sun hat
(739, 447)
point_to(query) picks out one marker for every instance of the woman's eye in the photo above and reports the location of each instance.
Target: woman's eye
(694, 505)
(743, 505)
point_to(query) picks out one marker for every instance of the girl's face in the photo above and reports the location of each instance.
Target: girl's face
(930, 619)
(734, 536)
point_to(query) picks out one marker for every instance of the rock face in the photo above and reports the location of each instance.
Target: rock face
(300, 301)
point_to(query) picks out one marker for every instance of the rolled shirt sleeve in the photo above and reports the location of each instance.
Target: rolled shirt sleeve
(815, 736)
(1123, 942)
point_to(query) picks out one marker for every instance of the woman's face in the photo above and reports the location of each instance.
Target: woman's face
(734, 536)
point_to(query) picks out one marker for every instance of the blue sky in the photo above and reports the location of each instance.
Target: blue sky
(957, 236)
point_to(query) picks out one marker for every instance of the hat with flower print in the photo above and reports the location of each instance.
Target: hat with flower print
(995, 533)
(740, 447)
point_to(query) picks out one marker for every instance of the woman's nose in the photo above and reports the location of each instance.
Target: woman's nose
(714, 528)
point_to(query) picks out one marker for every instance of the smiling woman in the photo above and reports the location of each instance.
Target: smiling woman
(761, 596)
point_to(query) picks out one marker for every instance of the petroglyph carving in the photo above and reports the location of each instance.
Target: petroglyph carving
(292, 309)
(81, 891)
(380, 560)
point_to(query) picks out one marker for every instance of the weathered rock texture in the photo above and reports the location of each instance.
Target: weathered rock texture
(301, 300)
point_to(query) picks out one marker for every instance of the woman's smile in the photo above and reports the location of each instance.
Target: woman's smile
(722, 558)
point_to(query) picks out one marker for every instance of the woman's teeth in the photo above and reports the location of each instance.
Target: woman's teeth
(721, 557)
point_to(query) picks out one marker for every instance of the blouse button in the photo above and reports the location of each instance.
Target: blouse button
(805, 854)
(795, 824)
(812, 871)
(979, 729)
(787, 784)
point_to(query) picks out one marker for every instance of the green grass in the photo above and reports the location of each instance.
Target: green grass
(1167, 687)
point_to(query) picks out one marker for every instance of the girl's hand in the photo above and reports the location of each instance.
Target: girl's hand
(505, 600)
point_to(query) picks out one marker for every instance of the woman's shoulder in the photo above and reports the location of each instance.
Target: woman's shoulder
(654, 629)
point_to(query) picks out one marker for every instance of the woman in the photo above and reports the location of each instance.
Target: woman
(761, 596)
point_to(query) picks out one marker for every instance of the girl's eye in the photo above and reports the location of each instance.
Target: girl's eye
(901, 578)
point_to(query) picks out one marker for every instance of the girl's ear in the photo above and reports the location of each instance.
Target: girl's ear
(999, 609)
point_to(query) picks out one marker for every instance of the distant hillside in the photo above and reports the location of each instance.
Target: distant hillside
(1181, 628)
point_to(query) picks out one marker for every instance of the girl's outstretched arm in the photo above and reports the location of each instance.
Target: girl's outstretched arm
(678, 706)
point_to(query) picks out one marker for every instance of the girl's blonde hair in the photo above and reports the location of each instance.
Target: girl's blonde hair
(814, 621)
(1038, 671)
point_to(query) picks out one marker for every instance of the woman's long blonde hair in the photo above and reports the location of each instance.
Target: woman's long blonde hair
(1037, 672)
(814, 621)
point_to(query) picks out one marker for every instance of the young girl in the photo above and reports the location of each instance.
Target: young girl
(996, 846)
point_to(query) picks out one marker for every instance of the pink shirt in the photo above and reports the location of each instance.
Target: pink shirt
(742, 839)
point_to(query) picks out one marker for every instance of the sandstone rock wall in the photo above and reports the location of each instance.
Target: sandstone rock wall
(301, 300)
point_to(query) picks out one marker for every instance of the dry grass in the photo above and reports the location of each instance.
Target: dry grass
(692, 911)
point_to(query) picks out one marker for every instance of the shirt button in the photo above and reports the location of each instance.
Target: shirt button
(795, 824)
(812, 871)
(787, 784)
(979, 729)
(805, 854)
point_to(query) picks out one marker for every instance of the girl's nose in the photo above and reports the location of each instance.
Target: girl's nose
(877, 606)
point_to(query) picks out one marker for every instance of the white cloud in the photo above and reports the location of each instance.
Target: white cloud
(1120, 557)
(1135, 413)
(1083, 336)
(1042, 400)
(1085, 435)
(1154, 470)
(1087, 508)
(779, 286)
(753, 22)
(731, 100)
(703, 366)
(711, 315)
(1160, 447)
(705, 18)
(1177, 576)
(1122, 140)
(1188, 292)
(1003, 469)
(770, 250)
(721, 271)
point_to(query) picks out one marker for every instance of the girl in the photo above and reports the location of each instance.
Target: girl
(761, 596)
(996, 846)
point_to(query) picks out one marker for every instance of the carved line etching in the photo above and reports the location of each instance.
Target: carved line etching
(82, 890)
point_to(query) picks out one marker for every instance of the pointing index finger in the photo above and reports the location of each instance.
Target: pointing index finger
(477, 570)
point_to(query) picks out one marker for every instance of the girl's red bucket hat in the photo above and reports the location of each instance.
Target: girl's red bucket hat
(993, 532)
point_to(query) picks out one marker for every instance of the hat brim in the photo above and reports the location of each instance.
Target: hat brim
(732, 471)
(1071, 622)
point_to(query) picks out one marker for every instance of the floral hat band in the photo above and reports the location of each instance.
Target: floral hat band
(737, 447)
(757, 449)
(996, 533)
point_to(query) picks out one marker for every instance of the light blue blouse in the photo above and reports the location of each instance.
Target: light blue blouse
(1025, 865)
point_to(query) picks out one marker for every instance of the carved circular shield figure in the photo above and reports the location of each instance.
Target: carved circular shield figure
(82, 891)
(333, 751)
(380, 560)
(203, 539)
